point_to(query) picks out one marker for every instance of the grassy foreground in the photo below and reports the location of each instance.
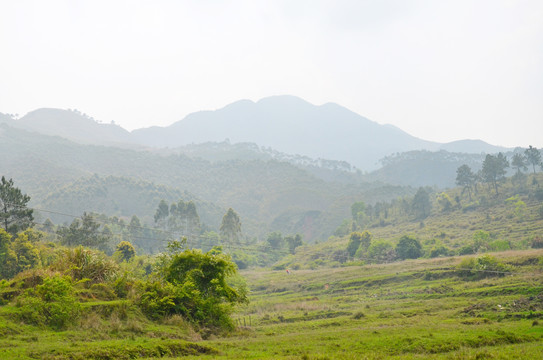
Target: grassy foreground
(416, 309)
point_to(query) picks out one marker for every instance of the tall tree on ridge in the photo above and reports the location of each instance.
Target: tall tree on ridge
(533, 156)
(15, 216)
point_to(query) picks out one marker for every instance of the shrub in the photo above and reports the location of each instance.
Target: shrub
(537, 243)
(482, 267)
(499, 245)
(52, 303)
(466, 250)
(381, 251)
(439, 250)
(84, 263)
(408, 248)
(194, 285)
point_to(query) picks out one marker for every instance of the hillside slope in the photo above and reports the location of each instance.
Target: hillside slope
(291, 125)
(262, 192)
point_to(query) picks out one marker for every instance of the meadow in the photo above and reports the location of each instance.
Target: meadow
(415, 309)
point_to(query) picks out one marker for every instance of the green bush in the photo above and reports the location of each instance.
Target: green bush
(439, 250)
(408, 248)
(482, 267)
(52, 303)
(193, 285)
(381, 252)
(499, 245)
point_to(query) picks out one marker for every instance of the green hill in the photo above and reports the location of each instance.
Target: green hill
(263, 192)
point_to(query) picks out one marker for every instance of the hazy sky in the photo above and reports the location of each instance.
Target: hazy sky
(440, 70)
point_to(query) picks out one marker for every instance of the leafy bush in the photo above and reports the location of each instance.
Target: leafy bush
(499, 245)
(439, 250)
(194, 285)
(408, 248)
(52, 303)
(466, 250)
(381, 251)
(537, 243)
(482, 267)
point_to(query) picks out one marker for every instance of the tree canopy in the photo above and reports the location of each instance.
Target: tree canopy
(231, 227)
(533, 156)
(15, 216)
(494, 169)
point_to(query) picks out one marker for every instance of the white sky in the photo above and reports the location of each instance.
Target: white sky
(440, 70)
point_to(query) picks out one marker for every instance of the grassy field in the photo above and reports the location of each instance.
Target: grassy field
(415, 309)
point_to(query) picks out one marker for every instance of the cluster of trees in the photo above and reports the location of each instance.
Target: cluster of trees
(189, 283)
(362, 246)
(494, 170)
(418, 207)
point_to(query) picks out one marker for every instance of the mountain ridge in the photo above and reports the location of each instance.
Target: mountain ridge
(285, 123)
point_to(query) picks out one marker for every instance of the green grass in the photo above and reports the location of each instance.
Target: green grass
(419, 309)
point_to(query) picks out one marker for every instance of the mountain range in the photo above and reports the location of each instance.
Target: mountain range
(284, 123)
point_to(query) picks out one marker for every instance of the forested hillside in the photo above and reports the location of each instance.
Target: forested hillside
(263, 192)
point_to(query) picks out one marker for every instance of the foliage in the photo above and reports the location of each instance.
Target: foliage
(52, 303)
(81, 263)
(494, 169)
(466, 179)
(439, 250)
(8, 257)
(193, 284)
(275, 240)
(230, 229)
(358, 213)
(519, 163)
(408, 248)
(482, 267)
(293, 241)
(381, 251)
(517, 206)
(445, 202)
(533, 157)
(421, 205)
(15, 216)
(125, 251)
(358, 240)
(85, 231)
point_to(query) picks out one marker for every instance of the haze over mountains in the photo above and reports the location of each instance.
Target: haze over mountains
(287, 165)
(285, 123)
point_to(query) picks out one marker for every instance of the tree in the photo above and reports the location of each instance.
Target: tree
(84, 231)
(192, 220)
(445, 202)
(358, 240)
(293, 242)
(135, 229)
(358, 212)
(421, 205)
(275, 240)
(494, 169)
(465, 178)
(519, 163)
(8, 257)
(15, 216)
(533, 156)
(408, 248)
(231, 227)
(162, 213)
(381, 252)
(125, 250)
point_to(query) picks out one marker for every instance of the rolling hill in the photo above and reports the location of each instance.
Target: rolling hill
(286, 124)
